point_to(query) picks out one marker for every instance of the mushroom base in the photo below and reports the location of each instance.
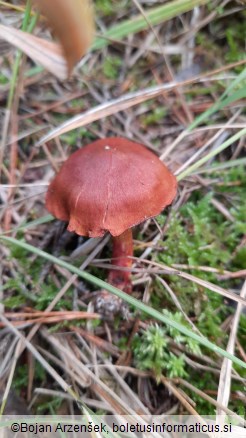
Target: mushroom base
(122, 258)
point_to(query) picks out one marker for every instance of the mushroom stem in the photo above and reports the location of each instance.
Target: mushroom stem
(122, 257)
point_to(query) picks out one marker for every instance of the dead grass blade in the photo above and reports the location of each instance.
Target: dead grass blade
(47, 317)
(14, 7)
(197, 280)
(224, 387)
(210, 399)
(122, 103)
(214, 288)
(43, 52)
(57, 298)
(38, 356)
(210, 142)
(72, 23)
(177, 304)
(106, 109)
(10, 377)
(82, 372)
(99, 342)
(181, 396)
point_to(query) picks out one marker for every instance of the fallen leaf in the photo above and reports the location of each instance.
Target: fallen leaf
(45, 53)
(73, 24)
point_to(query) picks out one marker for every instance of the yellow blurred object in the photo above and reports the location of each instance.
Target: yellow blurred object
(72, 22)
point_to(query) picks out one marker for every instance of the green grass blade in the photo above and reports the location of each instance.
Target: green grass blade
(222, 166)
(154, 16)
(240, 78)
(222, 103)
(16, 66)
(26, 225)
(153, 313)
(211, 154)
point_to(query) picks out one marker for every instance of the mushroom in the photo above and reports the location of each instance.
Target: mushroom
(110, 186)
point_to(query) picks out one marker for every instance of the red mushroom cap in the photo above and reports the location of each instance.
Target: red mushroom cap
(110, 185)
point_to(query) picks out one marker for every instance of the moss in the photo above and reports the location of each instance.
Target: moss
(111, 67)
(152, 350)
(199, 235)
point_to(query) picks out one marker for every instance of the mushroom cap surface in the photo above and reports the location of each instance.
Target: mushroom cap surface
(110, 185)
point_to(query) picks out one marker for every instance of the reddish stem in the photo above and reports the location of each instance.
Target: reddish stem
(122, 257)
